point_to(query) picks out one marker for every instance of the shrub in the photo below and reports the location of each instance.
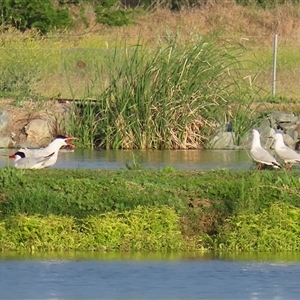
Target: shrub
(34, 14)
(151, 229)
(276, 228)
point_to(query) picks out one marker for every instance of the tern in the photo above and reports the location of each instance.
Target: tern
(51, 150)
(288, 155)
(23, 162)
(260, 154)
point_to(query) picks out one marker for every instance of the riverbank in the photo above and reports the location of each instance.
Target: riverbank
(127, 210)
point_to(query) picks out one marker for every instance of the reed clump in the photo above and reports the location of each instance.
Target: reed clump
(169, 97)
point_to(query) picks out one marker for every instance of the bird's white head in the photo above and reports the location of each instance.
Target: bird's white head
(60, 141)
(256, 138)
(278, 139)
(255, 132)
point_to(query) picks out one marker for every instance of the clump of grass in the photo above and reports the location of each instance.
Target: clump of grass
(135, 230)
(275, 228)
(164, 98)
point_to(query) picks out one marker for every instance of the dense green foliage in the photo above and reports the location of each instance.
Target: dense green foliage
(276, 228)
(134, 230)
(49, 15)
(128, 209)
(41, 15)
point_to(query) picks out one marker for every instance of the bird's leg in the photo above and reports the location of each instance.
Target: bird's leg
(287, 166)
(259, 166)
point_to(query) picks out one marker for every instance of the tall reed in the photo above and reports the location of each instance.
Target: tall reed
(166, 97)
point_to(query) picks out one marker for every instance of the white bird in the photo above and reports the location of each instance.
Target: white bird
(23, 162)
(51, 150)
(288, 155)
(260, 154)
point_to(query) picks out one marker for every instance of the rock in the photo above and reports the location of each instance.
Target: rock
(4, 118)
(223, 140)
(265, 132)
(289, 141)
(39, 131)
(283, 117)
(5, 141)
(27, 145)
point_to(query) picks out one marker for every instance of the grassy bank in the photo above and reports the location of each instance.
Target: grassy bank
(168, 88)
(131, 210)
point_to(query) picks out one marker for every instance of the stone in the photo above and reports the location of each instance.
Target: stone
(5, 141)
(283, 117)
(39, 131)
(28, 145)
(289, 141)
(222, 140)
(4, 119)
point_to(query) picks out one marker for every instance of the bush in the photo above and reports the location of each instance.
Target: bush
(112, 17)
(151, 229)
(34, 14)
(276, 228)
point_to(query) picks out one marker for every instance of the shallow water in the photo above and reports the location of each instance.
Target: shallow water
(112, 276)
(154, 159)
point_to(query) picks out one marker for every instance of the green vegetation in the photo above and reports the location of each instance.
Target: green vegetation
(164, 90)
(50, 15)
(275, 228)
(34, 14)
(53, 15)
(135, 230)
(169, 91)
(148, 91)
(134, 210)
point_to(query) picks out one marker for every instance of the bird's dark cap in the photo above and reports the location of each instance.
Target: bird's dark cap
(61, 137)
(20, 153)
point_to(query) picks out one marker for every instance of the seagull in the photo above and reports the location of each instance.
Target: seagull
(288, 155)
(23, 162)
(51, 150)
(260, 154)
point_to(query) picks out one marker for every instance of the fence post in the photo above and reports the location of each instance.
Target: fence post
(274, 65)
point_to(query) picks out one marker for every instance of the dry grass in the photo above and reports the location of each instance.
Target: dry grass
(225, 17)
(254, 28)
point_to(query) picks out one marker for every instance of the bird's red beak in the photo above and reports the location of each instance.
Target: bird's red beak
(70, 138)
(12, 156)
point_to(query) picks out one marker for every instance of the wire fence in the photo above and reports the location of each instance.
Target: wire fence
(47, 69)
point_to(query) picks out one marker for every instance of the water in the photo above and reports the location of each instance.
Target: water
(125, 276)
(149, 277)
(154, 159)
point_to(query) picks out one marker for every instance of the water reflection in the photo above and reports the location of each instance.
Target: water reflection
(140, 276)
(154, 159)
(154, 256)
